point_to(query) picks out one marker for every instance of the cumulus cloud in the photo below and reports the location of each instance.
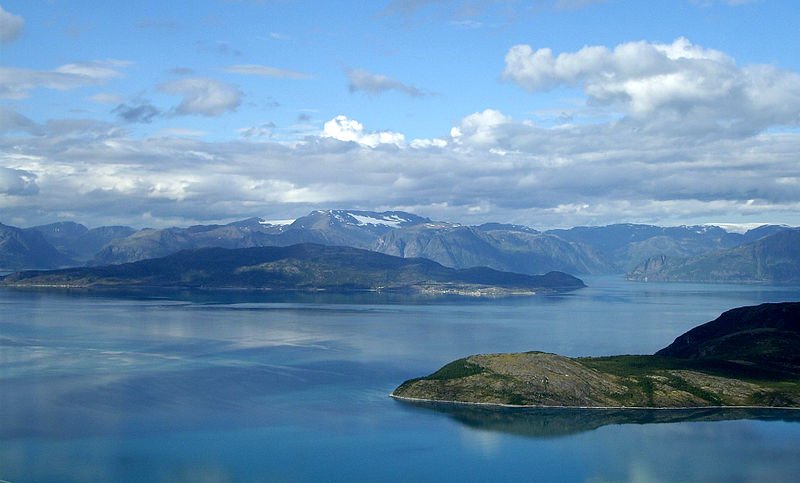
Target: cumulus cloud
(342, 128)
(481, 129)
(362, 81)
(17, 182)
(15, 83)
(667, 86)
(10, 26)
(202, 96)
(266, 71)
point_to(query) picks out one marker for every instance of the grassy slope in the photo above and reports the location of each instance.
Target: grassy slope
(534, 379)
(746, 357)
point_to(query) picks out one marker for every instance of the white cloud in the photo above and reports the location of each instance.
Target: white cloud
(428, 143)
(343, 129)
(374, 84)
(667, 86)
(17, 182)
(10, 26)
(266, 71)
(15, 83)
(481, 128)
(101, 70)
(202, 96)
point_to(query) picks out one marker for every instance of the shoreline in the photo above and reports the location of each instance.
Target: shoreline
(533, 406)
(423, 291)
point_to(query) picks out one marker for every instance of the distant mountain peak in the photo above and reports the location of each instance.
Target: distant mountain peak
(388, 219)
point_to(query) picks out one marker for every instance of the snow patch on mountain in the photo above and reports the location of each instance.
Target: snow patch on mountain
(740, 228)
(276, 222)
(393, 221)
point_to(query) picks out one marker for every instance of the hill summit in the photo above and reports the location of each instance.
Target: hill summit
(748, 357)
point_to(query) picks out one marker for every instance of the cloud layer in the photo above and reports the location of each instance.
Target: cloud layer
(491, 167)
(15, 83)
(266, 71)
(688, 135)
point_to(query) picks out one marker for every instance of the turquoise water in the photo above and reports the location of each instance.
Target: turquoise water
(246, 387)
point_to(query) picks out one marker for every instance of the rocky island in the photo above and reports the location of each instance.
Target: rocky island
(305, 267)
(748, 357)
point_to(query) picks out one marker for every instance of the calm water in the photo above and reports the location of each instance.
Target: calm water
(237, 387)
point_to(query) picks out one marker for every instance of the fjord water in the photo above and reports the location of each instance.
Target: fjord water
(231, 386)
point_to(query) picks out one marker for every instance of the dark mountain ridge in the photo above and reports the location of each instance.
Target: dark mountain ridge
(21, 249)
(297, 267)
(78, 242)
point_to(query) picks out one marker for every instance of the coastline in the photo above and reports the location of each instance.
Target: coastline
(537, 406)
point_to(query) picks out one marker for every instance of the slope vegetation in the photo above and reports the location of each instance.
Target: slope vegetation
(746, 357)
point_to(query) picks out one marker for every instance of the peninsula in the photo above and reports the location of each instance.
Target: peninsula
(308, 267)
(748, 357)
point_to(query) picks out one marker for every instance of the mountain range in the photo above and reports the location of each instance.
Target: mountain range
(774, 259)
(581, 250)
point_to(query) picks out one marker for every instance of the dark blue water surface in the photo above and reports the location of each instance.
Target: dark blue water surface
(252, 387)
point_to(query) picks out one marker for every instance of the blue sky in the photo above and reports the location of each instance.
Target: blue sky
(547, 113)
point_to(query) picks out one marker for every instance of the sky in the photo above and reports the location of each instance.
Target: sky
(547, 113)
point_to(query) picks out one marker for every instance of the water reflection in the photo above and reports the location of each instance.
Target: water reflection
(555, 422)
(245, 296)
